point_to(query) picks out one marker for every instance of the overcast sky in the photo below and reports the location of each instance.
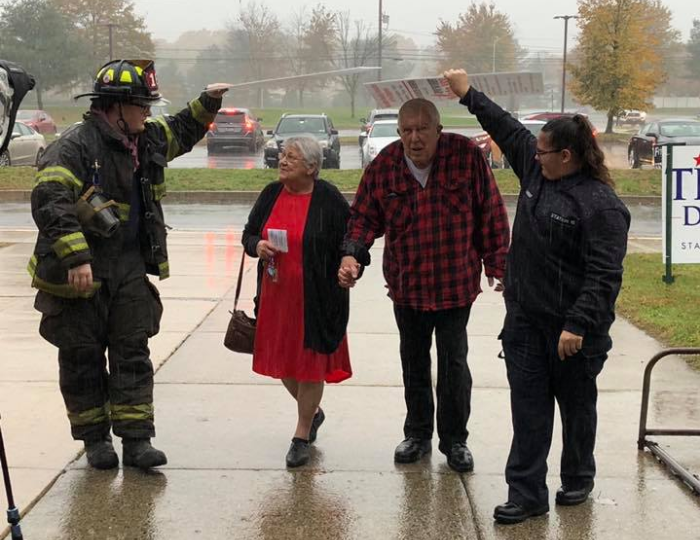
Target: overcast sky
(532, 19)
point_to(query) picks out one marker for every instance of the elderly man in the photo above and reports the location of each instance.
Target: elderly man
(434, 197)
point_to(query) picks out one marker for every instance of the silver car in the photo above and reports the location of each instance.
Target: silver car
(25, 148)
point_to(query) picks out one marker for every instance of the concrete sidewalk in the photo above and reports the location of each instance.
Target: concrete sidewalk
(226, 431)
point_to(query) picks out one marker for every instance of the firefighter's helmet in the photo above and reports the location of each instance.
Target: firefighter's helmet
(127, 81)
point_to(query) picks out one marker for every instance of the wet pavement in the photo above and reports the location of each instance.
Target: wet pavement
(241, 158)
(226, 430)
(646, 217)
(350, 158)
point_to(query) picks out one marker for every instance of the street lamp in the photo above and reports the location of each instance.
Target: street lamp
(493, 62)
(563, 77)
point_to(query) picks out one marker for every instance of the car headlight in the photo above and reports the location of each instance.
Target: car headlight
(372, 150)
(324, 144)
(272, 143)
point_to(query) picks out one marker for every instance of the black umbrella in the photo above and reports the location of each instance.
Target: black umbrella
(15, 82)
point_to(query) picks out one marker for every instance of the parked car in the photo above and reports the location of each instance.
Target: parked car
(319, 126)
(25, 148)
(38, 120)
(493, 153)
(374, 115)
(381, 134)
(550, 115)
(644, 146)
(631, 117)
(235, 127)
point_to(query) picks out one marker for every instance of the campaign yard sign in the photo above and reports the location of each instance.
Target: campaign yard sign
(685, 205)
(436, 89)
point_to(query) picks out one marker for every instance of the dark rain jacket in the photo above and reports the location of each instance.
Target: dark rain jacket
(564, 267)
(326, 303)
(92, 152)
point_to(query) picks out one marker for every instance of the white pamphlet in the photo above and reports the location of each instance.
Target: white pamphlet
(278, 238)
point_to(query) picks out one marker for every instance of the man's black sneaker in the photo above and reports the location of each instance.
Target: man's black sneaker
(412, 449)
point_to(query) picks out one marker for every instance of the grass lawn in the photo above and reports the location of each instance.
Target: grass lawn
(629, 182)
(670, 313)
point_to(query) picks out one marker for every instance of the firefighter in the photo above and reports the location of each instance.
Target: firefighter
(97, 205)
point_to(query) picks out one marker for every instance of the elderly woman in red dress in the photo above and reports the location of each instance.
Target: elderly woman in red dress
(296, 228)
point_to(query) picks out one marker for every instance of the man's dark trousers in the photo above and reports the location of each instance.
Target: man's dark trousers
(119, 318)
(537, 377)
(454, 385)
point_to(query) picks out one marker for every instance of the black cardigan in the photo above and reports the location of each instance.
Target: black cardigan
(326, 304)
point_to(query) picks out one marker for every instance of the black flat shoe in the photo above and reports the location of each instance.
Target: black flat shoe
(459, 458)
(412, 449)
(319, 417)
(299, 453)
(511, 513)
(571, 497)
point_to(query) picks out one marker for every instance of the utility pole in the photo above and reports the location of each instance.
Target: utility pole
(493, 60)
(379, 42)
(110, 26)
(563, 76)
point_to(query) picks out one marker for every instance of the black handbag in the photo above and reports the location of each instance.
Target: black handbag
(240, 334)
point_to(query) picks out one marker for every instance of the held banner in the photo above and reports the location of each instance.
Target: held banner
(685, 213)
(436, 89)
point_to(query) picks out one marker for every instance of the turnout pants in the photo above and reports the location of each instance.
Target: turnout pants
(113, 389)
(454, 384)
(537, 378)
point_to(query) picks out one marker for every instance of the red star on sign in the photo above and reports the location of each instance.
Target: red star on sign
(697, 161)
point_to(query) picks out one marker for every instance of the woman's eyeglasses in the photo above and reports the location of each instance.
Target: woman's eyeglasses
(289, 158)
(539, 153)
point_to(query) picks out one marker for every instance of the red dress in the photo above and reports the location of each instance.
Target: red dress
(279, 339)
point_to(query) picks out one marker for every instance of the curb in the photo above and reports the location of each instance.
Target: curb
(249, 197)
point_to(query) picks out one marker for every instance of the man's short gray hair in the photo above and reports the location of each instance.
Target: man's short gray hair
(415, 106)
(310, 150)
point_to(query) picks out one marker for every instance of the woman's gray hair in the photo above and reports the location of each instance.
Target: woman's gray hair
(310, 151)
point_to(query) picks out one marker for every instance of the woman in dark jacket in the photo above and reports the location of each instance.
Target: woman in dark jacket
(563, 275)
(296, 228)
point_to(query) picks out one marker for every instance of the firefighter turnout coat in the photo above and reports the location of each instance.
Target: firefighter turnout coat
(93, 153)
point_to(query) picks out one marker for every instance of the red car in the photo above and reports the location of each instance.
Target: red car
(549, 115)
(38, 120)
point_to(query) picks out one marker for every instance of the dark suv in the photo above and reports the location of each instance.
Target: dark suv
(235, 127)
(314, 125)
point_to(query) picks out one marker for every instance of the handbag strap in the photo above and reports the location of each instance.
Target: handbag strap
(240, 282)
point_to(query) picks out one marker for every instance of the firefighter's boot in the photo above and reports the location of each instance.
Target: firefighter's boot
(139, 453)
(101, 454)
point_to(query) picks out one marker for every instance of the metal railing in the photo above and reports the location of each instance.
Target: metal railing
(691, 480)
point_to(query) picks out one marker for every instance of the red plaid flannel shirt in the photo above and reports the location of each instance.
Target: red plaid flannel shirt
(437, 236)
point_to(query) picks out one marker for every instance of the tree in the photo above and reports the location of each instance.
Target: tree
(397, 52)
(295, 52)
(311, 41)
(693, 46)
(260, 36)
(92, 17)
(214, 62)
(620, 54)
(35, 35)
(481, 41)
(355, 48)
